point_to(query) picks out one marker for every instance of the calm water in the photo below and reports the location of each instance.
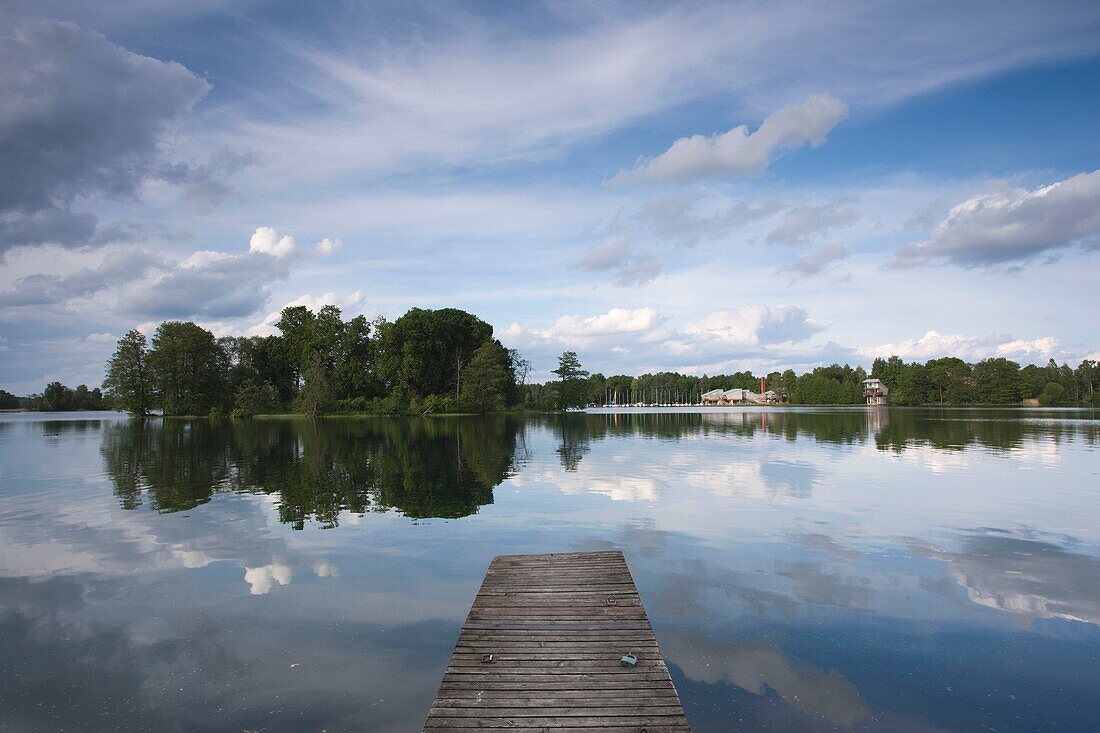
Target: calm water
(807, 570)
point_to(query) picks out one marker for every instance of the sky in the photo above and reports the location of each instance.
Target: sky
(657, 186)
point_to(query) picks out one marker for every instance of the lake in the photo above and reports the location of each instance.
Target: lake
(804, 570)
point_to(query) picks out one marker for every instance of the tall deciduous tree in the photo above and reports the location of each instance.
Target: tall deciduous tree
(424, 351)
(128, 382)
(187, 369)
(296, 326)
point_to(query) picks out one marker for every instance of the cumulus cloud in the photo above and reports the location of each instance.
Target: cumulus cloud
(758, 334)
(206, 284)
(819, 260)
(739, 152)
(803, 223)
(617, 254)
(81, 117)
(934, 345)
(268, 241)
(1013, 225)
(616, 321)
(345, 302)
(753, 325)
(216, 285)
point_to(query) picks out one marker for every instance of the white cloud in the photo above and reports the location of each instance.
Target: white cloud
(934, 345)
(1013, 225)
(616, 321)
(753, 325)
(474, 90)
(325, 569)
(268, 241)
(750, 335)
(262, 579)
(739, 152)
(327, 246)
(345, 302)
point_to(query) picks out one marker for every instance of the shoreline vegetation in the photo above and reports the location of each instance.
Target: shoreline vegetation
(447, 362)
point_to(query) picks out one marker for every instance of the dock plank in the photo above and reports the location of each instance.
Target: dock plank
(556, 626)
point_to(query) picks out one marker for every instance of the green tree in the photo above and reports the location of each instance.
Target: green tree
(571, 387)
(997, 381)
(315, 397)
(186, 366)
(521, 366)
(295, 325)
(8, 401)
(489, 383)
(950, 378)
(1052, 394)
(253, 399)
(128, 381)
(56, 398)
(1088, 377)
(354, 373)
(425, 351)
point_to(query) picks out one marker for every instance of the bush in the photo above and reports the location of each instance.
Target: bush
(436, 403)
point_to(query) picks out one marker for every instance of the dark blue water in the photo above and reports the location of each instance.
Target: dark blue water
(810, 570)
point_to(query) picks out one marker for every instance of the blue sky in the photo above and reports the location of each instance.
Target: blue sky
(698, 187)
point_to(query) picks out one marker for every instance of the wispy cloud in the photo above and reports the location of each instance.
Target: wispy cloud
(617, 254)
(818, 260)
(801, 224)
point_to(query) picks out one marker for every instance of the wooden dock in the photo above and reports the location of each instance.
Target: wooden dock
(557, 627)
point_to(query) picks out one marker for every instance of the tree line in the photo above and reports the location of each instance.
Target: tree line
(439, 361)
(948, 381)
(447, 360)
(56, 397)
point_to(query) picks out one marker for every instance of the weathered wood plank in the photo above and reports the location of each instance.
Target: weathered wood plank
(556, 626)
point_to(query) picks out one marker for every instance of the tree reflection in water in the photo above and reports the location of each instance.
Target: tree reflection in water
(448, 467)
(440, 467)
(888, 429)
